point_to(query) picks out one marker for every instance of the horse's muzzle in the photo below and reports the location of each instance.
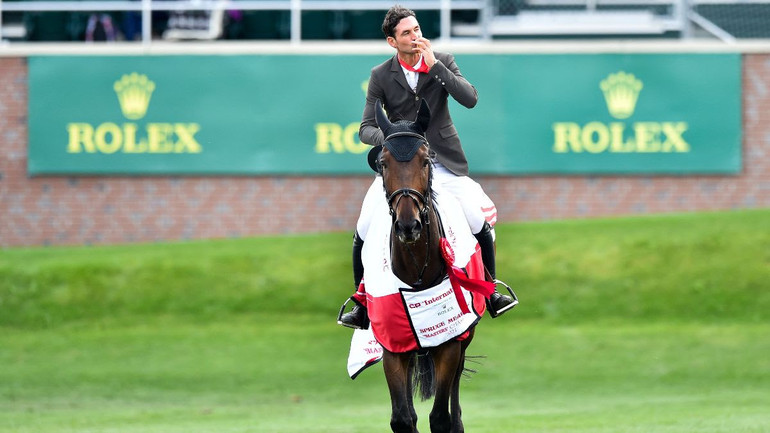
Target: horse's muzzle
(408, 232)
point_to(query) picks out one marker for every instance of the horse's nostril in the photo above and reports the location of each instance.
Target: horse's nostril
(409, 228)
(398, 227)
(416, 226)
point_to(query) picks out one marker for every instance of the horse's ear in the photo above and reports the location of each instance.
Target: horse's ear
(381, 117)
(423, 116)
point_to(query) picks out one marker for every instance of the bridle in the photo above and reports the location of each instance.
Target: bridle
(416, 196)
(423, 202)
(420, 198)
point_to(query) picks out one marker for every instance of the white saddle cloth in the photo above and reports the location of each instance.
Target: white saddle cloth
(378, 275)
(412, 319)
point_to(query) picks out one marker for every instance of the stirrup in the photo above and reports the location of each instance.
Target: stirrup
(507, 307)
(348, 325)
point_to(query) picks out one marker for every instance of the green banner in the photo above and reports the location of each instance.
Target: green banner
(634, 113)
(299, 114)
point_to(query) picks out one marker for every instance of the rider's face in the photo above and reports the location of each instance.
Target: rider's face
(407, 30)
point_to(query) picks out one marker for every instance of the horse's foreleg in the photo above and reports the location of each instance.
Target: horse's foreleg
(446, 359)
(457, 413)
(410, 390)
(396, 366)
(454, 398)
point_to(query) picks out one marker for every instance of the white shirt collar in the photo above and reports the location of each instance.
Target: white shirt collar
(411, 76)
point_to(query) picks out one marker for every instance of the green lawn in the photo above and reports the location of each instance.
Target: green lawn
(633, 325)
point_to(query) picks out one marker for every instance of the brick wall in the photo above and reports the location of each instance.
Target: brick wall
(61, 210)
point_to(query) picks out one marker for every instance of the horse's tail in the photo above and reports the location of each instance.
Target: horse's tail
(424, 375)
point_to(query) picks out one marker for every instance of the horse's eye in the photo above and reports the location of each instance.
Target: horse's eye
(426, 163)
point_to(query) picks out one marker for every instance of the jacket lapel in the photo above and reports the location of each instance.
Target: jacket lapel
(398, 73)
(421, 79)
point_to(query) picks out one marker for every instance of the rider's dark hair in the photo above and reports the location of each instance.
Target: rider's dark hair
(393, 17)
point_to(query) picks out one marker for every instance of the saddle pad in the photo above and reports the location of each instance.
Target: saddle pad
(410, 319)
(413, 319)
(403, 319)
(439, 314)
(365, 351)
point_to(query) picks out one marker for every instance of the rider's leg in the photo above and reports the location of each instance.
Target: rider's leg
(358, 265)
(498, 303)
(486, 240)
(481, 214)
(357, 317)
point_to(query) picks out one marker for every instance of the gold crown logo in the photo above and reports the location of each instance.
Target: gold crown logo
(621, 91)
(134, 92)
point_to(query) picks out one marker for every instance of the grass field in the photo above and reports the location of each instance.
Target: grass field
(635, 325)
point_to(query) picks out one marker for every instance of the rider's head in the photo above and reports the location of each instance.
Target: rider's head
(393, 17)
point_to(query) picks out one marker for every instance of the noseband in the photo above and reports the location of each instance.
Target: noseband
(417, 196)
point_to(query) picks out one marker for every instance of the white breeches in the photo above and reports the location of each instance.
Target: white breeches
(476, 205)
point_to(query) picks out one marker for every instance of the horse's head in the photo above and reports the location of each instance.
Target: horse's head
(405, 165)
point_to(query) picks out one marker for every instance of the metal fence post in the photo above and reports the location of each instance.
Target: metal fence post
(146, 22)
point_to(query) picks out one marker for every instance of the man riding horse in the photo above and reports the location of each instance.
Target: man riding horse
(414, 74)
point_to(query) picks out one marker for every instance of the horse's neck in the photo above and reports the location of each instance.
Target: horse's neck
(409, 261)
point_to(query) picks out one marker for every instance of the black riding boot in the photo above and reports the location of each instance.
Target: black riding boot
(497, 302)
(357, 318)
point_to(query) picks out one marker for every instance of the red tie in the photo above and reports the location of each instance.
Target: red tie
(423, 67)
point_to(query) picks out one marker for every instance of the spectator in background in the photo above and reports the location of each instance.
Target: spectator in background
(100, 28)
(131, 25)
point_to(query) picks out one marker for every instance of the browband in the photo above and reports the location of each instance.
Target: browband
(404, 144)
(405, 134)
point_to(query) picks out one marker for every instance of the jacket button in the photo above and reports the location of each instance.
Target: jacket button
(416, 98)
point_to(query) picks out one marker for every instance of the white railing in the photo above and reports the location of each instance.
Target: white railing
(146, 7)
(590, 20)
(597, 17)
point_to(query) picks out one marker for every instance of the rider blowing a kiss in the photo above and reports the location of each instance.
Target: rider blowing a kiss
(415, 73)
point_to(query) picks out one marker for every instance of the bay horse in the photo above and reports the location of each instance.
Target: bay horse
(416, 259)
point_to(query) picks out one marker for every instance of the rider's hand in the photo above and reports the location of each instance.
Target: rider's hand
(422, 46)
